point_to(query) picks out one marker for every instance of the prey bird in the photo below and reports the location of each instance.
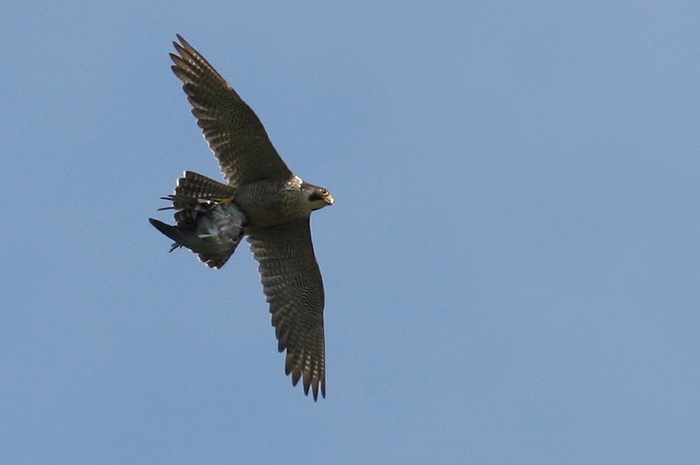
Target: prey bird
(262, 200)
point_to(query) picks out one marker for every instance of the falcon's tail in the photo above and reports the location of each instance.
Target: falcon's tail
(191, 190)
(202, 187)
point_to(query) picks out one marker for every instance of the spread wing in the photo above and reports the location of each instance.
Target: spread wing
(234, 132)
(294, 289)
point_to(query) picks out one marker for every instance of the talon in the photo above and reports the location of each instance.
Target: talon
(225, 201)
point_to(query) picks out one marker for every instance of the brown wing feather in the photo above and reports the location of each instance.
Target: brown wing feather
(292, 283)
(234, 132)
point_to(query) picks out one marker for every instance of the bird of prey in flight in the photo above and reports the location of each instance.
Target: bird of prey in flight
(263, 200)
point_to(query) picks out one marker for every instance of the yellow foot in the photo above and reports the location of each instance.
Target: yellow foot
(225, 201)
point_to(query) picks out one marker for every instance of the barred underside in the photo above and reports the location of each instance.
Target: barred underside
(294, 289)
(232, 129)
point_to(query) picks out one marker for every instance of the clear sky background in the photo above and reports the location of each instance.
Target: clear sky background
(511, 265)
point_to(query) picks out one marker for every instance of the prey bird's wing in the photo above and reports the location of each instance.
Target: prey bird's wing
(292, 283)
(234, 132)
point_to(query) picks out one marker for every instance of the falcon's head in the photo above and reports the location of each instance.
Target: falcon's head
(318, 197)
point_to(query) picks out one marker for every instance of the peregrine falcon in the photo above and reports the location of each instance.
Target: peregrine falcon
(263, 200)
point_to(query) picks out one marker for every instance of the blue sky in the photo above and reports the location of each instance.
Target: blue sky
(511, 265)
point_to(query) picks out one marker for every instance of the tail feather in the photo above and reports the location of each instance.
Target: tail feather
(197, 186)
(192, 191)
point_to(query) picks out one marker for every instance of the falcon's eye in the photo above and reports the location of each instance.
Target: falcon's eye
(324, 192)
